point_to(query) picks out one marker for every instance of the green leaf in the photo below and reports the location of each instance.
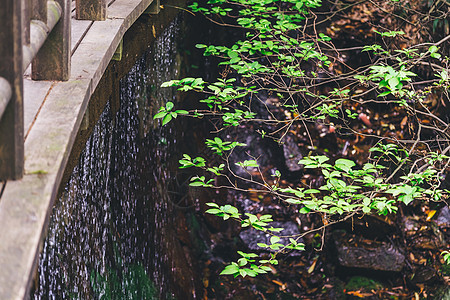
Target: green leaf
(196, 183)
(433, 49)
(242, 261)
(274, 239)
(435, 55)
(344, 164)
(167, 119)
(292, 201)
(393, 82)
(169, 105)
(213, 211)
(160, 115)
(182, 112)
(311, 191)
(230, 270)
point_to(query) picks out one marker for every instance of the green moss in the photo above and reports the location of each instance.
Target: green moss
(360, 282)
(445, 269)
(37, 172)
(118, 284)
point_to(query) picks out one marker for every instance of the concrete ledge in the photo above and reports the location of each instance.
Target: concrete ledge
(54, 112)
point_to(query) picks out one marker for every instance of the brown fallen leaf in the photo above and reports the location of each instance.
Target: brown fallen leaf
(430, 214)
(404, 122)
(358, 294)
(313, 265)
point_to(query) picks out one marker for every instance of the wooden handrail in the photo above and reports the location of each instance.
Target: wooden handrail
(36, 32)
(5, 94)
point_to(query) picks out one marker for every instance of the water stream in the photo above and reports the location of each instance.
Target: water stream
(109, 235)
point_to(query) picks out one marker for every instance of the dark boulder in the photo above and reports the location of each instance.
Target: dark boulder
(251, 237)
(292, 154)
(356, 252)
(443, 218)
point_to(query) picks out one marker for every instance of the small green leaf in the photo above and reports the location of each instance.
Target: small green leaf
(433, 49)
(169, 105)
(213, 211)
(292, 201)
(160, 115)
(182, 112)
(167, 119)
(230, 270)
(274, 239)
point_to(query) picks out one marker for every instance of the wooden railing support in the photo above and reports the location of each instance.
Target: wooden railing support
(5, 95)
(53, 60)
(39, 11)
(11, 123)
(154, 8)
(26, 16)
(94, 10)
(39, 32)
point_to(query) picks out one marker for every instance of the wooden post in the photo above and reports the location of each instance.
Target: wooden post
(94, 10)
(26, 16)
(154, 8)
(53, 60)
(40, 10)
(11, 123)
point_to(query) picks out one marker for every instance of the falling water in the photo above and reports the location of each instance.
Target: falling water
(109, 234)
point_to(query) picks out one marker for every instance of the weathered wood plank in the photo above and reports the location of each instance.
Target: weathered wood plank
(11, 124)
(24, 214)
(79, 30)
(129, 10)
(96, 49)
(94, 10)
(53, 60)
(34, 93)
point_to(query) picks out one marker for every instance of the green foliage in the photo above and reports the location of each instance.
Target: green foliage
(388, 77)
(220, 146)
(446, 255)
(166, 113)
(280, 57)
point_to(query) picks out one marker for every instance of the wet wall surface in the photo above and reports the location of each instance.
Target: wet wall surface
(110, 236)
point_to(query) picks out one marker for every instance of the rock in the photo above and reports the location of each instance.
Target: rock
(251, 237)
(256, 148)
(292, 154)
(356, 252)
(410, 224)
(443, 219)
(423, 274)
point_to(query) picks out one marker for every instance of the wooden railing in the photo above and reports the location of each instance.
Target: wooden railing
(36, 32)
